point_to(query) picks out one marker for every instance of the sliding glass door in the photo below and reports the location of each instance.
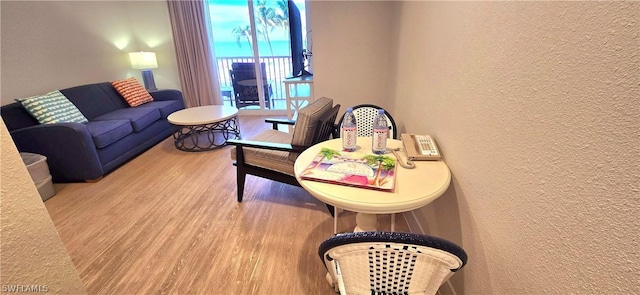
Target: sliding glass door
(251, 41)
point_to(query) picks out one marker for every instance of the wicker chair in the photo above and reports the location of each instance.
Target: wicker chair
(364, 116)
(272, 153)
(389, 262)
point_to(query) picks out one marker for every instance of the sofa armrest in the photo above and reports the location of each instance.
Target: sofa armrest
(166, 94)
(70, 151)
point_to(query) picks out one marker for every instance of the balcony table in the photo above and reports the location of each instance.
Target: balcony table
(253, 82)
(299, 92)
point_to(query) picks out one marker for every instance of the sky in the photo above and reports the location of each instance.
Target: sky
(229, 14)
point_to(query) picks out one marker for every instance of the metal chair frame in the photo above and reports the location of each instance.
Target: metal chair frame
(248, 95)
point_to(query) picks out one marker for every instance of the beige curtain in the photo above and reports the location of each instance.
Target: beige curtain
(196, 60)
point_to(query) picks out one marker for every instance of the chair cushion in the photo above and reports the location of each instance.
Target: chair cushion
(139, 117)
(307, 122)
(132, 91)
(105, 133)
(268, 159)
(308, 119)
(51, 108)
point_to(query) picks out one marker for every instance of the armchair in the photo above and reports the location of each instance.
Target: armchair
(272, 153)
(245, 89)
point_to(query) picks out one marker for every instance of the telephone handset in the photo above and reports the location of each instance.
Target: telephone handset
(420, 147)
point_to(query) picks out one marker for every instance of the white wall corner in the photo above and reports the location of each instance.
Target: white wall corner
(422, 221)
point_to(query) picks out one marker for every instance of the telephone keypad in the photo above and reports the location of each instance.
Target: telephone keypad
(426, 145)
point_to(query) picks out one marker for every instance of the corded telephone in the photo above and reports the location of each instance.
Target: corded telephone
(420, 147)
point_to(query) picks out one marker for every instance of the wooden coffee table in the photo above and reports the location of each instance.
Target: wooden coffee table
(204, 128)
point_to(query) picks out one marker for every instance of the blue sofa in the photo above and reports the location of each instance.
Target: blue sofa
(115, 133)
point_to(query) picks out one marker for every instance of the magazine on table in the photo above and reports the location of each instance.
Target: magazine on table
(356, 169)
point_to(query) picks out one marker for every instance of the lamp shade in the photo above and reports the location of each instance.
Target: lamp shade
(143, 60)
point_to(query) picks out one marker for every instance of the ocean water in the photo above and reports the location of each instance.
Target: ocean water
(231, 49)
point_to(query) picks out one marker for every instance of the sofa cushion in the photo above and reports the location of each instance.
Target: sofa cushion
(165, 107)
(95, 100)
(51, 108)
(132, 91)
(105, 133)
(139, 117)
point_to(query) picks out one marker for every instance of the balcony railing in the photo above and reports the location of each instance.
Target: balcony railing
(277, 68)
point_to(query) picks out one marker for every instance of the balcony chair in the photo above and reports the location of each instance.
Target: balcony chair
(389, 262)
(247, 95)
(364, 114)
(272, 153)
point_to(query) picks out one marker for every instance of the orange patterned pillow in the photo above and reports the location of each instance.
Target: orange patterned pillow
(132, 91)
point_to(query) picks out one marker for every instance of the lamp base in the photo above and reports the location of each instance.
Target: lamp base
(147, 77)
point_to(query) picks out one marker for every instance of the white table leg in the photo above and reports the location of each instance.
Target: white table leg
(366, 222)
(335, 221)
(393, 222)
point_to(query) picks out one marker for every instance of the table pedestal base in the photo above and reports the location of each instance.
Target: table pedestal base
(369, 222)
(366, 222)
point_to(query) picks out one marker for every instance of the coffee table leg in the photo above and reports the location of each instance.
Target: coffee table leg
(231, 127)
(199, 138)
(366, 222)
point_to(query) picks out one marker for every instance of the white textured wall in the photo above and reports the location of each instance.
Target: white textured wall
(351, 51)
(48, 45)
(31, 252)
(535, 106)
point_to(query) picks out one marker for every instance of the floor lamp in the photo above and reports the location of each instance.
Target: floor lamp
(145, 61)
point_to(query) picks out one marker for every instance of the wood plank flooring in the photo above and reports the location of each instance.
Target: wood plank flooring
(168, 222)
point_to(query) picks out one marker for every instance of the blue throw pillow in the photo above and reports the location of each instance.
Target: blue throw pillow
(51, 108)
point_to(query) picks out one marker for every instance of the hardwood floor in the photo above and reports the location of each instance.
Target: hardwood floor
(168, 222)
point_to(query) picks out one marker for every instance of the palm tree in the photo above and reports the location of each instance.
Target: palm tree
(328, 154)
(383, 162)
(267, 17)
(241, 32)
(282, 15)
(388, 164)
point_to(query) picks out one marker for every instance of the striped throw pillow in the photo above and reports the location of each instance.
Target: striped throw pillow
(51, 108)
(132, 91)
